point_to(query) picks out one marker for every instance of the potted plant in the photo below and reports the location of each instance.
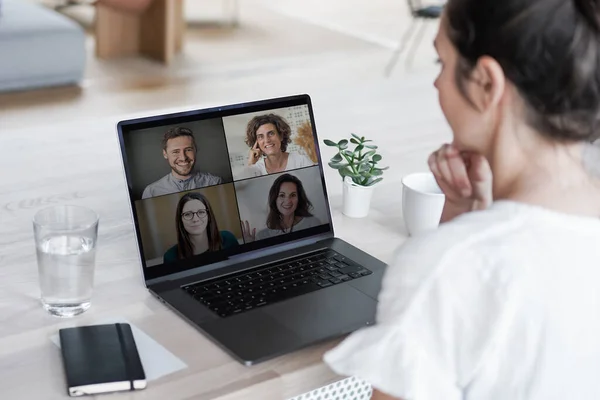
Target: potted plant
(359, 170)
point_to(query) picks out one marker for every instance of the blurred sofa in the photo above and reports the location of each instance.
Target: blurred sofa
(38, 47)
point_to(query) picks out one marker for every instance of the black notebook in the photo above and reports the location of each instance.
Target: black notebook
(101, 359)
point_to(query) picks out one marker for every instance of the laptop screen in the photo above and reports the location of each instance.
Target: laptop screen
(209, 184)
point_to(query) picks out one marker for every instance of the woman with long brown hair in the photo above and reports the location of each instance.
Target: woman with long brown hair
(197, 229)
(289, 210)
(501, 302)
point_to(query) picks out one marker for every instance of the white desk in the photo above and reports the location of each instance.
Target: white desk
(79, 163)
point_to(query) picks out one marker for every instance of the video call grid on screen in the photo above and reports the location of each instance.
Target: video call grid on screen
(220, 143)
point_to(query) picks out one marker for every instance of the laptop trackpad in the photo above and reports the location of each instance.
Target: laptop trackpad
(325, 313)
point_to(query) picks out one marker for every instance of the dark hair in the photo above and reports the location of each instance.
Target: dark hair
(175, 132)
(184, 244)
(304, 204)
(282, 127)
(550, 51)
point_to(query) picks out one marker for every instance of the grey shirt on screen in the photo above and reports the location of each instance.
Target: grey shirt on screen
(169, 184)
(305, 223)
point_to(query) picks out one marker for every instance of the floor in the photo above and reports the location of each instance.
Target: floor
(280, 47)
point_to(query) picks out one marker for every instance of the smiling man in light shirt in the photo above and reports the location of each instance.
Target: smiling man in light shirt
(179, 149)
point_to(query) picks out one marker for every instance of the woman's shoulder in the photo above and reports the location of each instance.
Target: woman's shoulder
(260, 163)
(470, 230)
(170, 254)
(311, 221)
(504, 223)
(228, 239)
(475, 228)
(480, 249)
(258, 169)
(297, 160)
(465, 246)
(265, 233)
(494, 243)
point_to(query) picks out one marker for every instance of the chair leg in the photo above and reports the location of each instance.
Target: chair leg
(233, 9)
(411, 54)
(400, 48)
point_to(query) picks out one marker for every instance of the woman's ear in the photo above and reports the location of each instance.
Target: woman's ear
(488, 83)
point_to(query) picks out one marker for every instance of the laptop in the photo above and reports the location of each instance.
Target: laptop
(234, 228)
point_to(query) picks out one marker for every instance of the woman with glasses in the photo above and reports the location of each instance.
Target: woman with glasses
(197, 229)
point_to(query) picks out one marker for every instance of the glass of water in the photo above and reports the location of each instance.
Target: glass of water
(65, 240)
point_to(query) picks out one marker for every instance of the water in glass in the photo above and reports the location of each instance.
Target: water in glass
(66, 268)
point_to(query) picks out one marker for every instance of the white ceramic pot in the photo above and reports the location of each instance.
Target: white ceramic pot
(357, 199)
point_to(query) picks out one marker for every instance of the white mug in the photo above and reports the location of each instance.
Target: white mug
(422, 202)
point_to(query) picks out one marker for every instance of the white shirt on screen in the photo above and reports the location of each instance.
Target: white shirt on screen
(496, 304)
(305, 223)
(295, 161)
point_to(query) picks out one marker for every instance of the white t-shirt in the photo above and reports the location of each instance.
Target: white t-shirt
(295, 161)
(494, 305)
(305, 223)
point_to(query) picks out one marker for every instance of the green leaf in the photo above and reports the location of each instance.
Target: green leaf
(355, 136)
(337, 166)
(382, 169)
(359, 148)
(367, 141)
(349, 153)
(330, 143)
(337, 158)
(374, 182)
(377, 157)
(364, 167)
(377, 172)
(343, 144)
(354, 141)
(368, 154)
(348, 172)
(365, 174)
(371, 146)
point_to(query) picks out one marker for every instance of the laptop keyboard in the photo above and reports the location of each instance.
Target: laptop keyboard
(270, 283)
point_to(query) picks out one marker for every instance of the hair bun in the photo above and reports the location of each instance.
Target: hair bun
(590, 9)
